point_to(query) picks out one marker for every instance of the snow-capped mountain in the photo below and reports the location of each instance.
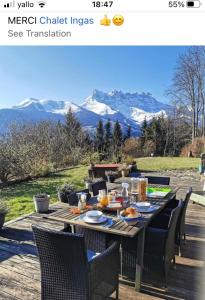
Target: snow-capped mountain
(129, 109)
(135, 107)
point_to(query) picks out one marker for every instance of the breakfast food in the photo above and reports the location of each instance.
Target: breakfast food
(130, 212)
(75, 210)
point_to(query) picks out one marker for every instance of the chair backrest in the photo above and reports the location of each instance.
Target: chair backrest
(99, 185)
(64, 266)
(158, 180)
(72, 198)
(170, 243)
(134, 174)
(181, 221)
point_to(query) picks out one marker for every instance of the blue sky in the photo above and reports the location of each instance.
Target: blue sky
(71, 73)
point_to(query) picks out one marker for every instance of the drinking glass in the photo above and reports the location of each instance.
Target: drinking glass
(143, 183)
(134, 185)
(103, 198)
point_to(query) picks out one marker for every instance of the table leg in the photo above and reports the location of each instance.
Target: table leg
(120, 260)
(140, 256)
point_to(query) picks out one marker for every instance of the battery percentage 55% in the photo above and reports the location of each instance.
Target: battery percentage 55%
(176, 4)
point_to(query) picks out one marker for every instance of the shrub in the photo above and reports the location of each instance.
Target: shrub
(3, 208)
(196, 148)
(132, 147)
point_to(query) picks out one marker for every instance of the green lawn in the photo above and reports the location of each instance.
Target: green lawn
(167, 163)
(19, 196)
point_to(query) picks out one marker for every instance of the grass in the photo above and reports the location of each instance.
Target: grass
(19, 197)
(167, 163)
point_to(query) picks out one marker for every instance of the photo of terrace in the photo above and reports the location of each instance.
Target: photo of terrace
(102, 172)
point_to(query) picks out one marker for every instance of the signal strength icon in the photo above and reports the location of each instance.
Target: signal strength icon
(9, 4)
(42, 4)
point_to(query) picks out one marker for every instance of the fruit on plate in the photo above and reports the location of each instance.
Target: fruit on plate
(130, 212)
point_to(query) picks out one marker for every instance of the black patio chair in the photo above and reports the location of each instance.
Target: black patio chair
(99, 185)
(158, 180)
(72, 198)
(159, 252)
(134, 174)
(69, 271)
(180, 229)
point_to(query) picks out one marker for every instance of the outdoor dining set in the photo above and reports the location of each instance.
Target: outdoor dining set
(111, 236)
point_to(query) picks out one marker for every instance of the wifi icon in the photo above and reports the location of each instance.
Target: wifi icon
(42, 4)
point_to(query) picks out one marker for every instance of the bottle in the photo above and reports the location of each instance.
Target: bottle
(125, 192)
(82, 201)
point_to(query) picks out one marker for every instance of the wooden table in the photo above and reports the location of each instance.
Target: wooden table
(118, 227)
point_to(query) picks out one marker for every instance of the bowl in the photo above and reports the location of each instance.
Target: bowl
(143, 205)
(128, 219)
(94, 214)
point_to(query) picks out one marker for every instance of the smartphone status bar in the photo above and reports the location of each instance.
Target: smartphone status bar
(102, 5)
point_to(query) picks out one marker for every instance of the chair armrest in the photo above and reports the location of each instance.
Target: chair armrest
(155, 240)
(105, 267)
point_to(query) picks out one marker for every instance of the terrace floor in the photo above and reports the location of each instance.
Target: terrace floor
(20, 273)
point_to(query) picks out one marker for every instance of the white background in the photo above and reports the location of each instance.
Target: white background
(149, 22)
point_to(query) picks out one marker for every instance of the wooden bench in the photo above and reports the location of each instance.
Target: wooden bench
(198, 197)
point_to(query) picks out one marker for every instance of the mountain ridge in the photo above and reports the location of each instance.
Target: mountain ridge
(130, 109)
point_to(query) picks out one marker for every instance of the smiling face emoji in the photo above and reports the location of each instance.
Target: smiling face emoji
(118, 20)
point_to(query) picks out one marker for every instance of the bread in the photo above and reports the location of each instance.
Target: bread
(130, 212)
(132, 215)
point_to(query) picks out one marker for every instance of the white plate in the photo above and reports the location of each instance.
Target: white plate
(91, 221)
(150, 209)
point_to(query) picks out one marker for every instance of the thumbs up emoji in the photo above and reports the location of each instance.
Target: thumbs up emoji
(105, 21)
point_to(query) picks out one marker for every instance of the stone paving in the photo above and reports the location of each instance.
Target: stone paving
(183, 178)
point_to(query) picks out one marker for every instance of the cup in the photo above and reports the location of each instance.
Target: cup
(103, 197)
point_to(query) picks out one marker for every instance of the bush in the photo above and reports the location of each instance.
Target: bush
(196, 148)
(90, 157)
(149, 147)
(132, 147)
(127, 160)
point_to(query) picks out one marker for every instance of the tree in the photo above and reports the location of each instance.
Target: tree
(75, 137)
(128, 133)
(72, 125)
(108, 138)
(117, 140)
(144, 132)
(100, 137)
(188, 88)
